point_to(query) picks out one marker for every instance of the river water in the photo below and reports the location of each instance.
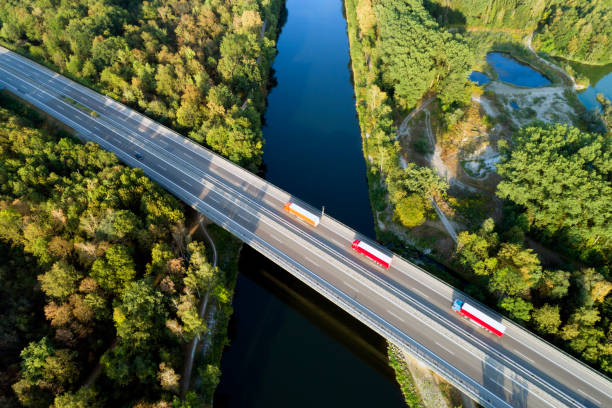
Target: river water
(289, 346)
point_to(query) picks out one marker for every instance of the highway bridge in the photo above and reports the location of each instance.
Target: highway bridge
(404, 304)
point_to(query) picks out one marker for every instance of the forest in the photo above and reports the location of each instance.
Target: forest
(199, 66)
(573, 29)
(102, 282)
(555, 179)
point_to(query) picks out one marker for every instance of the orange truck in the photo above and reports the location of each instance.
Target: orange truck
(302, 214)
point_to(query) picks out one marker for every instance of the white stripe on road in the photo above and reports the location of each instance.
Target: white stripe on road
(588, 396)
(502, 385)
(351, 286)
(444, 348)
(419, 292)
(243, 217)
(394, 315)
(522, 355)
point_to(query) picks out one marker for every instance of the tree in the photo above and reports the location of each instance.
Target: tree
(593, 287)
(61, 281)
(85, 397)
(10, 226)
(187, 311)
(546, 319)
(420, 180)
(210, 375)
(168, 378)
(411, 211)
(200, 273)
(34, 358)
(554, 284)
(365, 16)
(140, 315)
(46, 367)
(161, 254)
(118, 224)
(517, 308)
(560, 176)
(525, 261)
(508, 281)
(416, 54)
(115, 270)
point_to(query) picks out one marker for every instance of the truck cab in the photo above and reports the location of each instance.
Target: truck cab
(457, 305)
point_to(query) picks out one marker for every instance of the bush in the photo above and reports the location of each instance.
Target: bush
(411, 211)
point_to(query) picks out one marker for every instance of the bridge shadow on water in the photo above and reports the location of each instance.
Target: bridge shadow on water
(281, 327)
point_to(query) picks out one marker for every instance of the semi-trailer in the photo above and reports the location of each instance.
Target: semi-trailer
(302, 214)
(372, 253)
(478, 317)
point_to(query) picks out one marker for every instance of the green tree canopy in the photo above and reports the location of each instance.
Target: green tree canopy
(61, 281)
(140, 314)
(115, 270)
(547, 319)
(561, 176)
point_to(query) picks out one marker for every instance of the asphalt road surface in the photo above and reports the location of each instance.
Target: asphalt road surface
(404, 303)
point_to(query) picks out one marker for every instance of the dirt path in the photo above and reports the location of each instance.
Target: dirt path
(486, 106)
(435, 160)
(557, 68)
(401, 130)
(192, 346)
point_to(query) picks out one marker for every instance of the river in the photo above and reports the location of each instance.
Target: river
(289, 346)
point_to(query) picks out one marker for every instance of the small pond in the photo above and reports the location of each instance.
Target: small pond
(589, 95)
(479, 78)
(511, 71)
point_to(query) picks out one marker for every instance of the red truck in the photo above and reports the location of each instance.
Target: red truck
(372, 253)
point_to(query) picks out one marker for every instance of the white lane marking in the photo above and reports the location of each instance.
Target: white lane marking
(351, 286)
(444, 348)
(186, 181)
(522, 355)
(503, 386)
(241, 216)
(588, 395)
(341, 244)
(419, 292)
(420, 281)
(162, 176)
(212, 197)
(164, 168)
(394, 315)
(314, 263)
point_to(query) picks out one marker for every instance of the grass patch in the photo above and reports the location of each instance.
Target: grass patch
(404, 378)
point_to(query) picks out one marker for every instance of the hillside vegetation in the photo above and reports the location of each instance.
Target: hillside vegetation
(573, 29)
(199, 66)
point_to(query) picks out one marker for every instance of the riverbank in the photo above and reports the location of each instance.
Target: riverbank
(290, 346)
(417, 391)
